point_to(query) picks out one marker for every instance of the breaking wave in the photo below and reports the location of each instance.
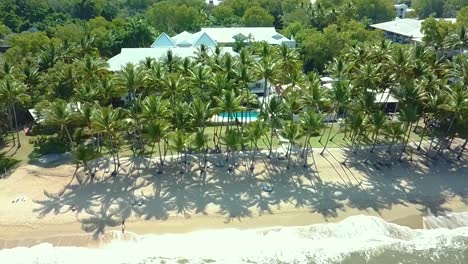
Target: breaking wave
(357, 239)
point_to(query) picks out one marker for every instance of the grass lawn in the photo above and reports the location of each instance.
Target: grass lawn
(21, 153)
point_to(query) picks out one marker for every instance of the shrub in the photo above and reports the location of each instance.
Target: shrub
(47, 145)
(6, 163)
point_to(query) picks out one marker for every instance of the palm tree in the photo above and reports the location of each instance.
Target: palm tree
(200, 144)
(456, 104)
(180, 141)
(288, 61)
(408, 114)
(156, 131)
(357, 125)
(154, 108)
(458, 40)
(130, 78)
(273, 113)
(107, 120)
(82, 156)
(230, 104)
(232, 139)
(266, 70)
(60, 114)
(92, 68)
(377, 122)
(173, 86)
(108, 89)
(395, 131)
(292, 133)
(340, 97)
(13, 93)
(200, 113)
(253, 132)
(311, 124)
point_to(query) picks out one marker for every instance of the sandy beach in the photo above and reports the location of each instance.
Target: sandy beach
(36, 202)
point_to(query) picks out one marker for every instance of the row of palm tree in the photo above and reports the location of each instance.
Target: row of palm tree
(170, 103)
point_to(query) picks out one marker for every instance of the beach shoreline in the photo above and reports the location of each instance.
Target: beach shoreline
(46, 218)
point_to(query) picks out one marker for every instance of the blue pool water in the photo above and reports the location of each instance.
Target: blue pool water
(245, 115)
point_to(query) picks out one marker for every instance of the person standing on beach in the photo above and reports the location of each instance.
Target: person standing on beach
(123, 225)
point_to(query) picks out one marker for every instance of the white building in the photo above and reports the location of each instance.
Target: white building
(185, 45)
(213, 2)
(405, 30)
(228, 36)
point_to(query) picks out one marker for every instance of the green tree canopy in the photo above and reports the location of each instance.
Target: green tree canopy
(257, 17)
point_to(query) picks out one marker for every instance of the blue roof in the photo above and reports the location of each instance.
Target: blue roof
(163, 41)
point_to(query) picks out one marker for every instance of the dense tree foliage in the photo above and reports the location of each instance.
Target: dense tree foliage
(60, 70)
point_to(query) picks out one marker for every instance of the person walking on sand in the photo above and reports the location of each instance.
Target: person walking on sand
(123, 225)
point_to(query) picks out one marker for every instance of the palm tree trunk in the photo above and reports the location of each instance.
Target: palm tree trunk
(161, 163)
(462, 149)
(288, 153)
(264, 92)
(307, 143)
(10, 122)
(252, 166)
(305, 146)
(270, 143)
(422, 136)
(328, 137)
(151, 152)
(375, 141)
(406, 142)
(69, 136)
(443, 146)
(16, 125)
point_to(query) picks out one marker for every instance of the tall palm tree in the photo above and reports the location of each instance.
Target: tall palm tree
(82, 156)
(253, 133)
(232, 139)
(273, 114)
(155, 108)
(156, 131)
(292, 133)
(108, 121)
(266, 70)
(60, 114)
(456, 105)
(408, 114)
(377, 122)
(200, 143)
(130, 78)
(230, 104)
(200, 113)
(395, 131)
(311, 124)
(458, 40)
(180, 142)
(340, 96)
(13, 93)
(92, 68)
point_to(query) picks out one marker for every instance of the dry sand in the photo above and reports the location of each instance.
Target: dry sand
(176, 203)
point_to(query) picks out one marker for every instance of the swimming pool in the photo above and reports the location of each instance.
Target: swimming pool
(253, 115)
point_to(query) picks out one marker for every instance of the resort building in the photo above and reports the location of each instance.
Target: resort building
(228, 36)
(405, 30)
(186, 45)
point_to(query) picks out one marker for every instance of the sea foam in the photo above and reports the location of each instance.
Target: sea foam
(357, 239)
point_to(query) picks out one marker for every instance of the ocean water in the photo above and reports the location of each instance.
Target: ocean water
(356, 240)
